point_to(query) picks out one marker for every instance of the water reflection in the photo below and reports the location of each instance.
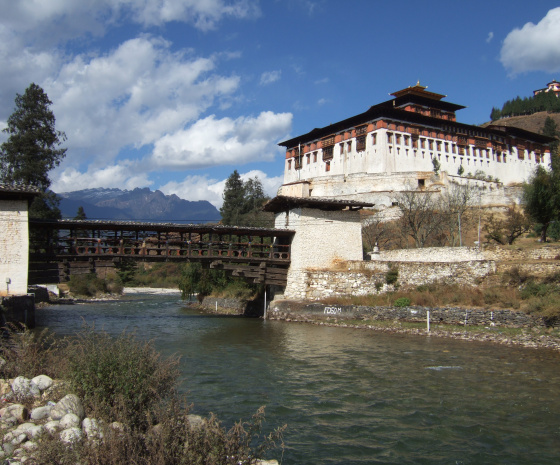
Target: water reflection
(352, 396)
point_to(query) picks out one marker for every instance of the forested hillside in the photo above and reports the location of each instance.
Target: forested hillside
(543, 102)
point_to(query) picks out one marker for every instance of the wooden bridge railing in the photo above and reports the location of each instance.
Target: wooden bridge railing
(168, 249)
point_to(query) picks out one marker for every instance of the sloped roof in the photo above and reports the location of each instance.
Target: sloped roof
(283, 203)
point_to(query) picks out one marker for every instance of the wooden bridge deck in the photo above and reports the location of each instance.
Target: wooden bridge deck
(259, 254)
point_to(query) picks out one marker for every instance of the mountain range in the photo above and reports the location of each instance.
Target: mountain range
(140, 204)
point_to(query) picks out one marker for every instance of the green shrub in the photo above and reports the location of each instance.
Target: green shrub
(392, 275)
(402, 302)
(122, 378)
(378, 285)
(90, 285)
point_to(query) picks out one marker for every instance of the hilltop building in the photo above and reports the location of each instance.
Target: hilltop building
(392, 147)
(552, 86)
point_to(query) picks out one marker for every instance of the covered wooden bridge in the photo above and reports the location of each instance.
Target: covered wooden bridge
(65, 247)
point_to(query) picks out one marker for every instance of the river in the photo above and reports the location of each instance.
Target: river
(350, 396)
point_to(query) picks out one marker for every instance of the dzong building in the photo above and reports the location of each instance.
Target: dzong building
(392, 146)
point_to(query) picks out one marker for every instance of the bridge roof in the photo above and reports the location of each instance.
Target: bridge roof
(282, 203)
(210, 228)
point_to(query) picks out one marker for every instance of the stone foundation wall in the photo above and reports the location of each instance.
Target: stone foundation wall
(365, 278)
(290, 310)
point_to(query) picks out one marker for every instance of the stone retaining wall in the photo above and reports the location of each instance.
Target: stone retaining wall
(292, 310)
(363, 278)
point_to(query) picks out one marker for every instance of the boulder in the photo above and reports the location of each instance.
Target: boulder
(35, 432)
(43, 382)
(52, 426)
(195, 421)
(70, 420)
(92, 429)
(68, 404)
(18, 411)
(71, 435)
(40, 413)
(23, 387)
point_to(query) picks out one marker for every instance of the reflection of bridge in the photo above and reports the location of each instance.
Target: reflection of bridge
(70, 247)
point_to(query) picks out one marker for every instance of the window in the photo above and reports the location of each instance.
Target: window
(421, 183)
(328, 166)
(374, 139)
(361, 143)
(328, 153)
(289, 164)
(314, 157)
(341, 148)
(308, 156)
(398, 138)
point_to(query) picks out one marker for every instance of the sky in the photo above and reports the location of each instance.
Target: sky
(177, 94)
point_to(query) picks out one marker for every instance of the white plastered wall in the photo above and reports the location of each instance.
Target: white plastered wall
(323, 240)
(14, 247)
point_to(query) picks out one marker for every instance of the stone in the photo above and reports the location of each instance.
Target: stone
(5, 388)
(43, 382)
(8, 448)
(52, 426)
(71, 435)
(92, 429)
(68, 404)
(30, 446)
(70, 420)
(195, 421)
(35, 432)
(25, 387)
(18, 411)
(40, 413)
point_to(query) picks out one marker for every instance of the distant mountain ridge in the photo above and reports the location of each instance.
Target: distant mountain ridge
(140, 204)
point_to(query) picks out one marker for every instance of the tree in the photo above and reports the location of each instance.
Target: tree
(437, 165)
(455, 207)
(420, 217)
(243, 202)
(33, 148)
(234, 195)
(80, 214)
(550, 129)
(541, 198)
(507, 228)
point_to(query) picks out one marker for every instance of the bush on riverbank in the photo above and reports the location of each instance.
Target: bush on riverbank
(91, 285)
(124, 379)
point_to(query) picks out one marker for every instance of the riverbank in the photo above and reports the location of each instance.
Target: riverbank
(502, 327)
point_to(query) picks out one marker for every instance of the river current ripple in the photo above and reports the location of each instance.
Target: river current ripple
(350, 396)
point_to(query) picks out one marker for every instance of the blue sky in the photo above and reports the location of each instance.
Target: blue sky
(176, 94)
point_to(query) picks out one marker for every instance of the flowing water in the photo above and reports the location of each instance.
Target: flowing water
(350, 396)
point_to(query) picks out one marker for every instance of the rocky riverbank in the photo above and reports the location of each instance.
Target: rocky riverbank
(33, 410)
(412, 321)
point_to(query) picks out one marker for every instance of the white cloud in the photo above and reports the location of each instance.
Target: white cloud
(269, 77)
(534, 47)
(46, 22)
(131, 97)
(204, 188)
(490, 37)
(119, 176)
(226, 141)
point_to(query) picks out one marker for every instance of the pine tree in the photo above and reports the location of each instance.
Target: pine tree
(234, 195)
(80, 214)
(33, 149)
